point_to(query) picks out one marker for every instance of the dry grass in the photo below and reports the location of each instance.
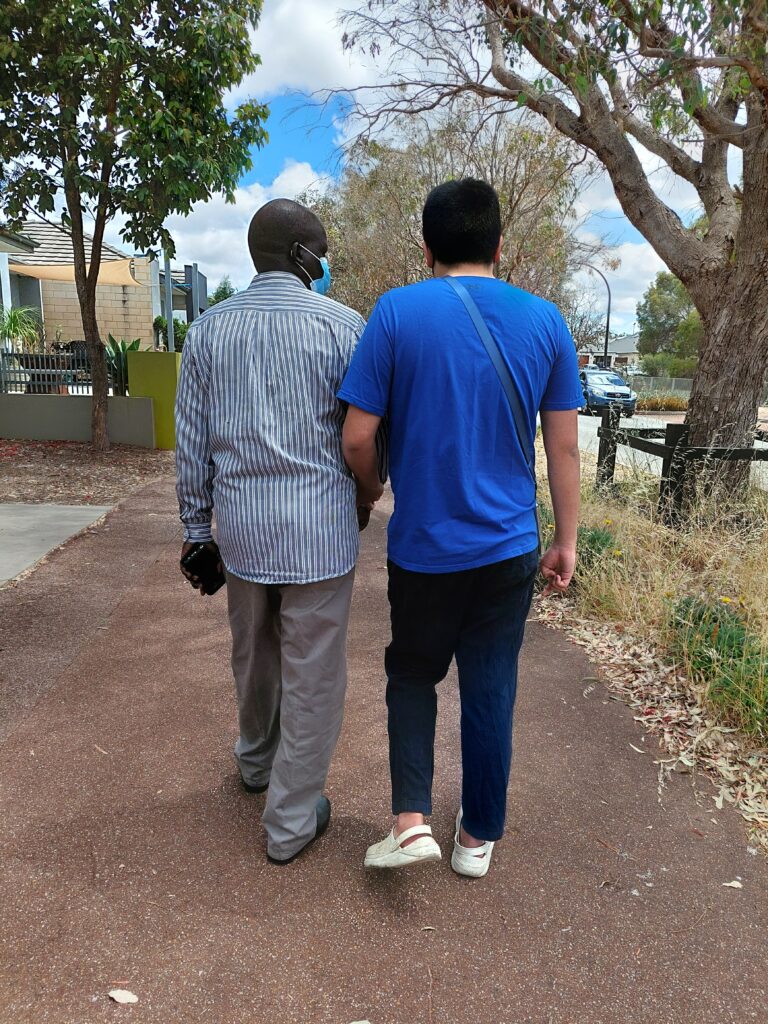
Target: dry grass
(699, 594)
(662, 401)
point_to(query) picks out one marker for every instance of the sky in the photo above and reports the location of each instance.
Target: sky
(301, 51)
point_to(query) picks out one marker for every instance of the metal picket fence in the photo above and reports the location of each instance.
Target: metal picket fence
(49, 373)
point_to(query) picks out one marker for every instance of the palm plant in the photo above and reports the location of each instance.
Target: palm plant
(20, 328)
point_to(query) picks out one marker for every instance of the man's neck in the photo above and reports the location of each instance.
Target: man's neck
(463, 270)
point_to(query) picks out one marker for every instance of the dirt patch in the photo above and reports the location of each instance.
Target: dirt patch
(71, 473)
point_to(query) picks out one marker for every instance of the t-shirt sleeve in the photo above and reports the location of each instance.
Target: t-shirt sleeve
(368, 379)
(563, 390)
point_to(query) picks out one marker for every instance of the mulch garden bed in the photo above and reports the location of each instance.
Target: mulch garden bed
(71, 473)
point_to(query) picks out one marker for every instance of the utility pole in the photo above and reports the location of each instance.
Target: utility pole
(608, 314)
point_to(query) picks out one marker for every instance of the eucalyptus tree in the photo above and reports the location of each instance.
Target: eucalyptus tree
(671, 85)
(117, 107)
(373, 213)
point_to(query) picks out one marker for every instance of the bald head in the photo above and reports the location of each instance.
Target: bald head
(274, 231)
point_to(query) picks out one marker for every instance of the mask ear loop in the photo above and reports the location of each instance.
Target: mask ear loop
(295, 257)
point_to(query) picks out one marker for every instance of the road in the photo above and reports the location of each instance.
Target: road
(642, 463)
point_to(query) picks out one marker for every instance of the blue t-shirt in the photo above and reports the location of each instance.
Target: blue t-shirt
(463, 492)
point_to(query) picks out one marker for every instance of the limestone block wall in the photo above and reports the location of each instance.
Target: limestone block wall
(123, 312)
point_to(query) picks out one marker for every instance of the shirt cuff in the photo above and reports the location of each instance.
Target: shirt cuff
(197, 533)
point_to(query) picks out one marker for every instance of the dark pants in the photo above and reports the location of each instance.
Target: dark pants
(479, 616)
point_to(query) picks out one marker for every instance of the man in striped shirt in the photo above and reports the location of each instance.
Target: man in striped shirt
(258, 429)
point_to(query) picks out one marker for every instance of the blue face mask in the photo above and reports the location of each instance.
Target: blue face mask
(320, 284)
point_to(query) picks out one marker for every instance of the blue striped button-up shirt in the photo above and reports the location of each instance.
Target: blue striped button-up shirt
(258, 432)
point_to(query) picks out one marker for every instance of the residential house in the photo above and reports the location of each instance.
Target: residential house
(622, 352)
(37, 269)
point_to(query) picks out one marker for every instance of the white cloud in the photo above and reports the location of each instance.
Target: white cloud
(638, 267)
(300, 48)
(214, 235)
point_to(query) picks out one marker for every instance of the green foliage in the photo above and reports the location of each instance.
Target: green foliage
(713, 640)
(224, 290)
(180, 328)
(664, 364)
(119, 107)
(117, 362)
(20, 327)
(593, 543)
(120, 103)
(667, 318)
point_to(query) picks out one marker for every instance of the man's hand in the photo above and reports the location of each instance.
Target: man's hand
(368, 496)
(186, 547)
(557, 565)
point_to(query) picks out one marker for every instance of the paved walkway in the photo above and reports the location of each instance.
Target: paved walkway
(133, 859)
(29, 532)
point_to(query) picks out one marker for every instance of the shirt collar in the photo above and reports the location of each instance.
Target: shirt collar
(275, 277)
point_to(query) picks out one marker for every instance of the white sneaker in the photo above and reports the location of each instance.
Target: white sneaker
(472, 861)
(390, 853)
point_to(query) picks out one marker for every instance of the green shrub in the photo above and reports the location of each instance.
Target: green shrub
(720, 653)
(180, 328)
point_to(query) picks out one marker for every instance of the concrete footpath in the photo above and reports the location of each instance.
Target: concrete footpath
(132, 858)
(29, 532)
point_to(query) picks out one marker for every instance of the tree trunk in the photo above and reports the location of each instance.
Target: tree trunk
(730, 377)
(99, 381)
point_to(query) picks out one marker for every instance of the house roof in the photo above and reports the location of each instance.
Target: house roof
(53, 244)
(624, 346)
(13, 242)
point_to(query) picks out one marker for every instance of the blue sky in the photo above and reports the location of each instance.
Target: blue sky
(300, 46)
(299, 131)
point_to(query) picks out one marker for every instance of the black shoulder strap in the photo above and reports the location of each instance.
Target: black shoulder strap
(507, 383)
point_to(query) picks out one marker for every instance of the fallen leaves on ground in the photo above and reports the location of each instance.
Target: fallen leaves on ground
(70, 473)
(669, 706)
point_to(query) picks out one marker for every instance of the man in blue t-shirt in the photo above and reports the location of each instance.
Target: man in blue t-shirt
(463, 539)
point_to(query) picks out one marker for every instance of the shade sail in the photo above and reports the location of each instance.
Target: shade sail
(114, 272)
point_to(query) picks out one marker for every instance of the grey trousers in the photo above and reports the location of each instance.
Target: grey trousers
(289, 661)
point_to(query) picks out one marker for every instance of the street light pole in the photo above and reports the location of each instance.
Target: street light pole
(608, 314)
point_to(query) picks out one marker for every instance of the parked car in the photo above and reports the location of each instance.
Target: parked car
(603, 388)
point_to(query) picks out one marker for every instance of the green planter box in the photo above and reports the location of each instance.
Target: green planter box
(154, 375)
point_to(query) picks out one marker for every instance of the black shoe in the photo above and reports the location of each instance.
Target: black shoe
(323, 813)
(253, 789)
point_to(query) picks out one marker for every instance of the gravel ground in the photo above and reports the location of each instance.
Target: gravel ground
(71, 473)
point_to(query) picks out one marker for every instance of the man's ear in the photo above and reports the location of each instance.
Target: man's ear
(499, 247)
(428, 257)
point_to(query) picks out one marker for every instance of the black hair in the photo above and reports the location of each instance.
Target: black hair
(461, 222)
